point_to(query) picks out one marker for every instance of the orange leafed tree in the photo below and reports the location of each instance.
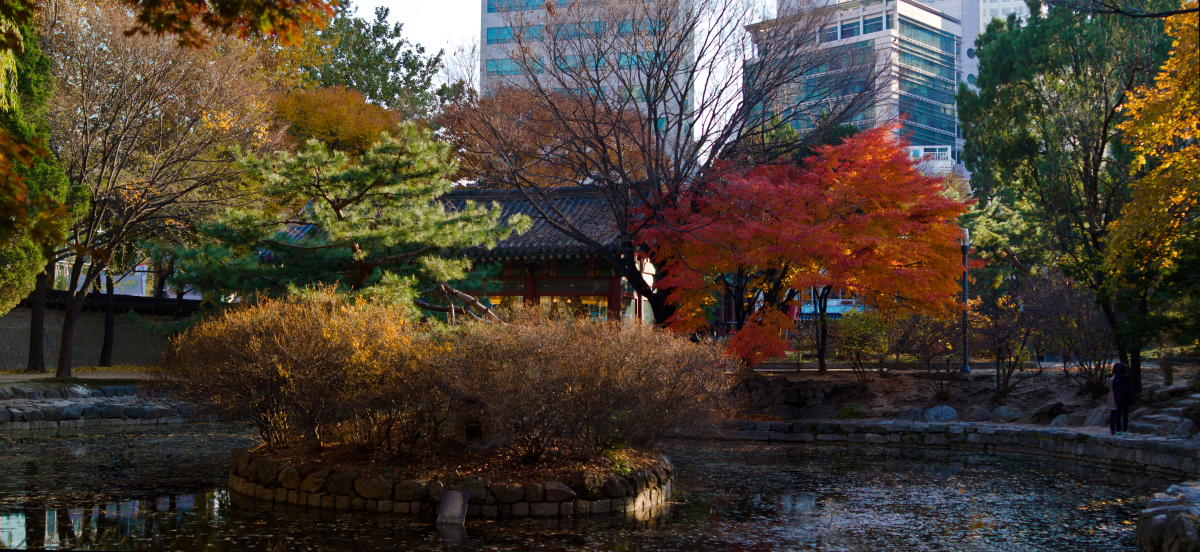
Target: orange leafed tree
(857, 216)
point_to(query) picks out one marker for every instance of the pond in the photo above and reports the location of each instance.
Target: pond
(161, 488)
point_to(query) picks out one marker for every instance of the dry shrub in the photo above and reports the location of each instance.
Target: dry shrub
(574, 387)
(299, 368)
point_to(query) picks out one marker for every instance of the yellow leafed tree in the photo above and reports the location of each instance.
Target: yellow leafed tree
(1163, 130)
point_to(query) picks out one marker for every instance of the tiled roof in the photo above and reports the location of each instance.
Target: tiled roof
(584, 206)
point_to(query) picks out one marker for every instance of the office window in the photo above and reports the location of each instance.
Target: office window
(829, 33)
(851, 29)
(872, 25)
(494, 6)
(499, 35)
(887, 21)
(502, 67)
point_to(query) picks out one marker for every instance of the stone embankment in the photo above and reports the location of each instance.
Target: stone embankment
(1170, 523)
(25, 408)
(639, 494)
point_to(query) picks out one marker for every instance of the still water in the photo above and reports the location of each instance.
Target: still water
(161, 489)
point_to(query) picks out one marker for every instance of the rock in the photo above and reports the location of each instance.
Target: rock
(819, 411)
(476, 490)
(1096, 417)
(410, 490)
(533, 492)
(33, 415)
(376, 488)
(52, 412)
(78, 391)
(783, 411)
(112, 411)
(5, 415)
(267, 470)
(26, 392)
(1062, 420)
(507, 493)
(135, 411)
(5, 393)
(342, 482)
(186, 410)
(289, 477)
(912, 414)
(1005, 413)
(587, 484)
(1046, 413)
(941, 413)
(315, 481)
(616, 487)
(558, 492)
(976, 414)
(90, 412)
(71, 412)
(435, 490)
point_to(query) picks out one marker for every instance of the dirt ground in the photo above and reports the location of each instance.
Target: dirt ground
(896, 390)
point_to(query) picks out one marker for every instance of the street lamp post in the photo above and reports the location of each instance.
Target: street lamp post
(966, 248)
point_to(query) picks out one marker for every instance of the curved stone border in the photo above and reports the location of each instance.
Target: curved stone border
(314, 486)
(41, 415)
(1170, 522)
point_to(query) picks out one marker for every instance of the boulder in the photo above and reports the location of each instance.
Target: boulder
(1046, 413)
(26, 392)
(289, 477)
(112, 411)
(976, 414)
(507, 493)
(342, 482)
(1062, 420)
(71, 412)
(912, 414)
(820, 411)
(587, 484)
(941, 413)
(557, 492)
(267, 470)
(376, 488)
(783, 411)
(1096, 417)
(314, 481)
(5, 415)
(1005, 413)
(616, 487)
(410, 490)
(78, 391)
(5, 393)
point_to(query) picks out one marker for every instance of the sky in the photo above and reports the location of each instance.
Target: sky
(435, 24)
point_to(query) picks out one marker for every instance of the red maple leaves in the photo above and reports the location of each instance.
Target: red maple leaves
(858, 216)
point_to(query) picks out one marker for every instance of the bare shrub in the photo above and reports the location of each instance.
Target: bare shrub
(576, 387)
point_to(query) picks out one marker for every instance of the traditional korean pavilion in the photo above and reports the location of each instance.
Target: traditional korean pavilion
(545, 267)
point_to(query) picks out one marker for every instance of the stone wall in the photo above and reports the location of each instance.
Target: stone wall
(134, 344)
(638, 494)
(25, 408)
(1170, 522)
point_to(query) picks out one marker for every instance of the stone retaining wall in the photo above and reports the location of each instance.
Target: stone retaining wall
(24, 409)
(638, 494)
(1170, 522)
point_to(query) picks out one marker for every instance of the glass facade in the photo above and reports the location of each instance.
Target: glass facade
(928, 82)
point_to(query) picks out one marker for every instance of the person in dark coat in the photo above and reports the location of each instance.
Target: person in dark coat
(1120, 397)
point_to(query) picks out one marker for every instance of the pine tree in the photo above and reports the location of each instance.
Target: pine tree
(368, 224)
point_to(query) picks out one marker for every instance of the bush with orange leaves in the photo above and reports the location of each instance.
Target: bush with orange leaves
(310, 369)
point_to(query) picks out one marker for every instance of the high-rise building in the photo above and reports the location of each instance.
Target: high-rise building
(921, 48)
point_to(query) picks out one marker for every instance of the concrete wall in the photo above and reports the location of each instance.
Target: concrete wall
(134, 344)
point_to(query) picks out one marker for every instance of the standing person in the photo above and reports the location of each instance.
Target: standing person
(1120, 397)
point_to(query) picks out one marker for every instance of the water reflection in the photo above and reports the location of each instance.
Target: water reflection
(161, 490)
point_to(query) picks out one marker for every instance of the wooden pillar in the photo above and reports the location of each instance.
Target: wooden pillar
(614, 297)
(530, 292)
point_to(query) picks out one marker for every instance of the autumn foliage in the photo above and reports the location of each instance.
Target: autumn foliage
(858, 216)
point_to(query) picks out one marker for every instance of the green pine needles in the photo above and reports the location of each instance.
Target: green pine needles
(369, 224)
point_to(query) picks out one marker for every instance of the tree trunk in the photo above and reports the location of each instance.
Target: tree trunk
(37, 321)
(821, 307)
(110, 322)
(161, 274)
(74, 307)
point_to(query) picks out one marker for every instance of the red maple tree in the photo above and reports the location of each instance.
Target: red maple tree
(858, 216)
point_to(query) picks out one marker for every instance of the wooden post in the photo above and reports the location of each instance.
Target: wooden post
(614, 297)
